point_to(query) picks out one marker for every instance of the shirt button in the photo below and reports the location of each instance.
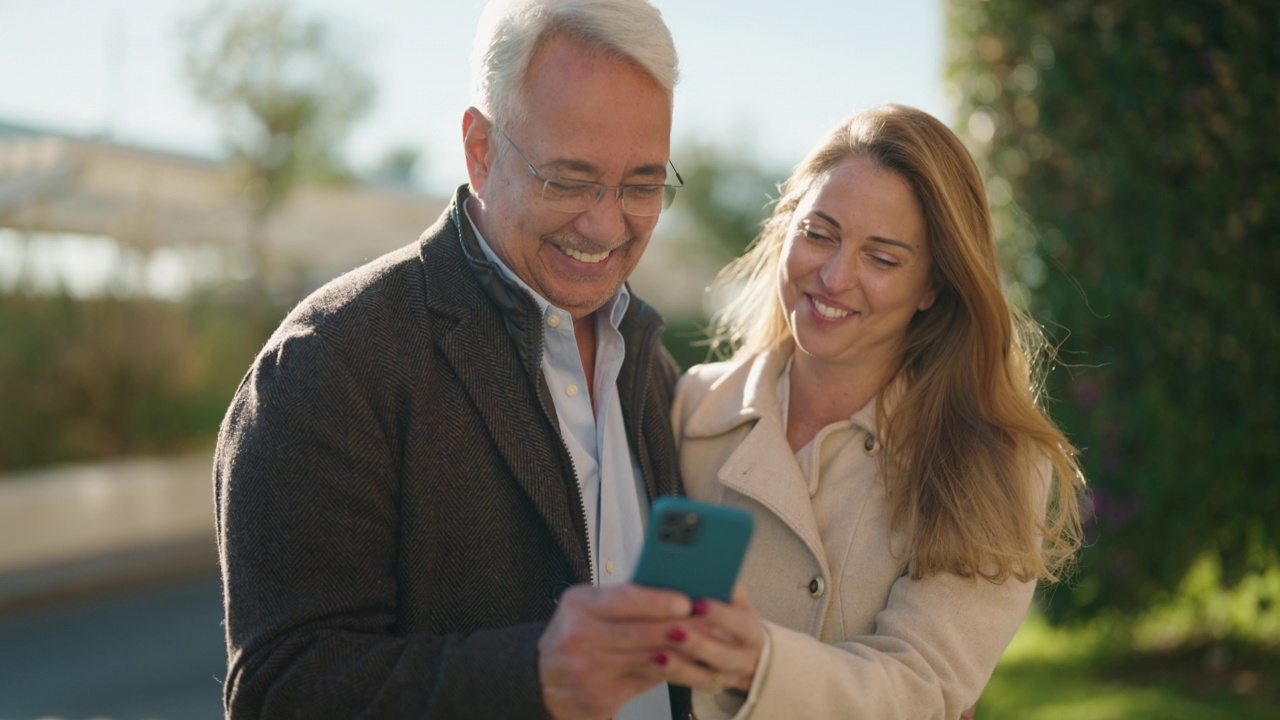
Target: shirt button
(608, 567)
(817, 587)
(572, 390)
(553, 320)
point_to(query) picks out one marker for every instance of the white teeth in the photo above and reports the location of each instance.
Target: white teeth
(583, 257)
(829, 312)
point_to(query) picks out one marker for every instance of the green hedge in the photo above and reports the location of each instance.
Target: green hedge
(1132, 153)
(90, 379)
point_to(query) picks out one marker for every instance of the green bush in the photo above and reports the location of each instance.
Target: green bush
(87, 379)
(1131, 154)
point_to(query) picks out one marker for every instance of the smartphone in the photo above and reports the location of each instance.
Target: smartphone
(694, 547)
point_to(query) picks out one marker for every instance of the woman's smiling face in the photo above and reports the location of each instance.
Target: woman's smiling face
(855, 266)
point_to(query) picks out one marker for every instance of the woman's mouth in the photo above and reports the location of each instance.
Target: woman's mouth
(827, 311)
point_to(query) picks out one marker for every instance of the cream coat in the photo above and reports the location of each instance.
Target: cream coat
(851, 635)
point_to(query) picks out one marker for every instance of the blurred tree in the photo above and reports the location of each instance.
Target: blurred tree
(1131, 157)
(728, 193)
(398, 168)
(286, 94)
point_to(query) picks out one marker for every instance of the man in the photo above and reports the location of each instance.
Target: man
(432, 482)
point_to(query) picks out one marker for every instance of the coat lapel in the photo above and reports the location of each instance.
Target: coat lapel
(762, 466)
(504, 395)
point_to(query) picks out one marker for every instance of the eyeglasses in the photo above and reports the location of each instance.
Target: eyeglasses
(576, 196)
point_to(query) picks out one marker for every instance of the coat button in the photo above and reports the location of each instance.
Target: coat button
(817, 587)
(871, 445)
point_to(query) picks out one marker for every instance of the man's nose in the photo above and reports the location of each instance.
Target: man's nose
(605, 221)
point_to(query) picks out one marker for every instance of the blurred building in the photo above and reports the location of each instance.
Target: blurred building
(151, 201)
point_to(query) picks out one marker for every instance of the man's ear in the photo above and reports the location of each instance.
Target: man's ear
(476, 145)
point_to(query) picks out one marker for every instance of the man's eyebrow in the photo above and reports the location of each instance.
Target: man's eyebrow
(874, 238)
(586, 168)
(649, 170)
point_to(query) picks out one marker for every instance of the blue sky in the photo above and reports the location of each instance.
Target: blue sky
(771, 75)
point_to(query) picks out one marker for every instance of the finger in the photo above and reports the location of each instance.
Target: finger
(682, 670)
(724, 638)
(740, 598)
(630, 602)
(583, 675)
(586, 622)
(731, 624)
(732, 660)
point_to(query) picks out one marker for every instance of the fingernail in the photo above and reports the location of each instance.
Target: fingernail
(676, 634)
(659, 658)
(699, 607)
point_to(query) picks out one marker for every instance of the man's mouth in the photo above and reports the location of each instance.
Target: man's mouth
(585, 257)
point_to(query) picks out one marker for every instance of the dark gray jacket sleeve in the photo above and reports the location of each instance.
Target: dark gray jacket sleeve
(307, 489)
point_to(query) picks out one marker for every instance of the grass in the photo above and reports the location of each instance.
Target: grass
(1053, 673)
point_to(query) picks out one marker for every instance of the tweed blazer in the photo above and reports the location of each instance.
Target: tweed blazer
(397, 513)
(851, 634)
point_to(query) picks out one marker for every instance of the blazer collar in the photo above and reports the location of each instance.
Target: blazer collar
(748, 390)
(503, 379)
(762, 465)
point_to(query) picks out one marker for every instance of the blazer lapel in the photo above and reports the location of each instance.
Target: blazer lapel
(764, 469)
(480, 350)
(762, 466)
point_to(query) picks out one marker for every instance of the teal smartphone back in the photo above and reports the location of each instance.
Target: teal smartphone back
(694, 547)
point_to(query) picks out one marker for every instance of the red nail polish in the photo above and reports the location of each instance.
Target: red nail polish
(675, 634)
(699, 607)
(659, 658)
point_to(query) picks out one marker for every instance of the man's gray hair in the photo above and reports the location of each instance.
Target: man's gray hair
(510, 31)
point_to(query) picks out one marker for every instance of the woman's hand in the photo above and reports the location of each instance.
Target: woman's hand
(718, 647)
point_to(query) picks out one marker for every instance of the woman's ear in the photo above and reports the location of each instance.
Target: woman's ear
(930, 296)
(476, 146)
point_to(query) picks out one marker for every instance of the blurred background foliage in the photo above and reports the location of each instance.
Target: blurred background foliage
(286, 91)
(104, 377)
(1131, 162)
(1131, 156)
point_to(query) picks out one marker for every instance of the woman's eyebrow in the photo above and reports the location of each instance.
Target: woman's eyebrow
(874, 238)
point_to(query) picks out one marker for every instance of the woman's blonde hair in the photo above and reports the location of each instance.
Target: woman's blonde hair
(969, 444)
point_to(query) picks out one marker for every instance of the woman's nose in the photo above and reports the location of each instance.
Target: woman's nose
(840, 271)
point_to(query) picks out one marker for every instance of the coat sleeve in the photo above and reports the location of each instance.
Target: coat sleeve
(936, 644)
(306, 484)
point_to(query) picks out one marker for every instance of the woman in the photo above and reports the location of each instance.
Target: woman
(879, 417)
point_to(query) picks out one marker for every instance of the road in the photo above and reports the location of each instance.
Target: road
(154, 654)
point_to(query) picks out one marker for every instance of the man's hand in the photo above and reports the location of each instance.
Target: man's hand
(604, 646)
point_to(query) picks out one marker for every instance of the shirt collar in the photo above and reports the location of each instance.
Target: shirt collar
(614, 309)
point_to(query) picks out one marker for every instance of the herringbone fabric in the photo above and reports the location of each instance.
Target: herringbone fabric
(397, 513)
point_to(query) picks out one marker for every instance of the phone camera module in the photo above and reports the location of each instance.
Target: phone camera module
(680, 528)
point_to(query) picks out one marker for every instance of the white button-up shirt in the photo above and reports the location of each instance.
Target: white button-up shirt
(611, 485)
